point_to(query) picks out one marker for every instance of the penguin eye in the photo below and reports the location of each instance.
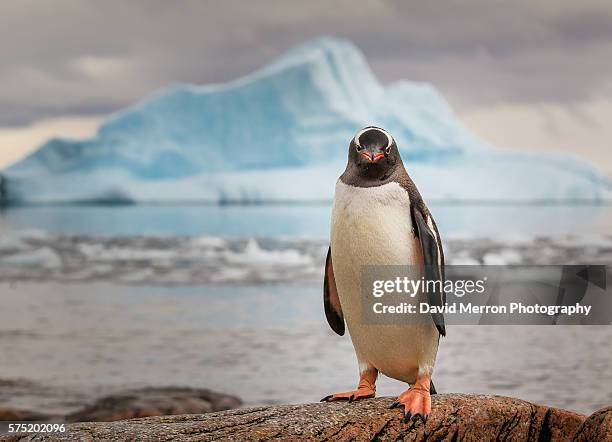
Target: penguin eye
(388, 150)
(358, 147)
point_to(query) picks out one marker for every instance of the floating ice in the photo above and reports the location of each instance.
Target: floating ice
(282, 134)
(43, 258)
(502, 257)
(189, 260)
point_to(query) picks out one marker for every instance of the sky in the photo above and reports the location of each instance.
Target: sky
(522, 74)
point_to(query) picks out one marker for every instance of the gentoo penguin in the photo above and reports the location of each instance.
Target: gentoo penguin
(379, 218)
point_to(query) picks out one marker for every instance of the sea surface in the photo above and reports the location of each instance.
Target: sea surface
(476, 220)
(97, 299)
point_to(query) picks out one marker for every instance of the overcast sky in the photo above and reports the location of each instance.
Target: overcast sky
(523, 74)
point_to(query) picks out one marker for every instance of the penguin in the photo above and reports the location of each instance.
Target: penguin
(379, 218)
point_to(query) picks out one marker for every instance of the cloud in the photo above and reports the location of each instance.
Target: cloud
(582, 128)
(69, 56)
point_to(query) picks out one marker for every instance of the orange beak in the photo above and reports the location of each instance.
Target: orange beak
(372, 157)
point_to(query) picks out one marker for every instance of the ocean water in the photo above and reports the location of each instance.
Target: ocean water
(476, 220)
(99, 299)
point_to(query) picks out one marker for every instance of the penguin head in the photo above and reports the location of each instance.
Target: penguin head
(373, 153)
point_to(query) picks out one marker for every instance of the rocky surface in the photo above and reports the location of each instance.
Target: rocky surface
(26, 400)
(597, 427)
(144, 402)
(154, 402)
(15, 414)
(454, 417)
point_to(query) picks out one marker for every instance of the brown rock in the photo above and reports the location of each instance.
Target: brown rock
(454, 417)
(597, 427)
(154, 402)
(12, 414)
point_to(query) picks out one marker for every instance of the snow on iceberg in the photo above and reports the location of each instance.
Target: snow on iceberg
(281, 134)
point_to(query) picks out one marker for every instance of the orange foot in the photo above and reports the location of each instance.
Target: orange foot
(416, 400)
(360, 393)
(365, 389)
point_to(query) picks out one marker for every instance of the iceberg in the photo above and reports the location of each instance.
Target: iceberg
(281, 134)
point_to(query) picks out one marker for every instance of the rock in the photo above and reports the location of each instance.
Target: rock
(11, 388)
(154, 402)
(42, 402)
(454, 417)
(12, 414)
(597, 427)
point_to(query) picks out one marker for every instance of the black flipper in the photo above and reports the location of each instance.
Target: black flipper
(331, 301)
(434, 263)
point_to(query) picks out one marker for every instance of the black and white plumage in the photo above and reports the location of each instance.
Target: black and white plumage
(379, 218)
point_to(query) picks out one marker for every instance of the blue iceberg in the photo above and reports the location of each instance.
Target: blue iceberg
(281, 134)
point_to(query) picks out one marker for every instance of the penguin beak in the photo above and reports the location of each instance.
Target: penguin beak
(372, 154)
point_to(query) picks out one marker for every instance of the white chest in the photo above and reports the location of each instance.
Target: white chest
(372, 226)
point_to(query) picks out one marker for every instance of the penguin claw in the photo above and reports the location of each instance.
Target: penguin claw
(395, 404)
(417, 404)
(351, 398)
(326, 398)
(407, 417)
(423, 417)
